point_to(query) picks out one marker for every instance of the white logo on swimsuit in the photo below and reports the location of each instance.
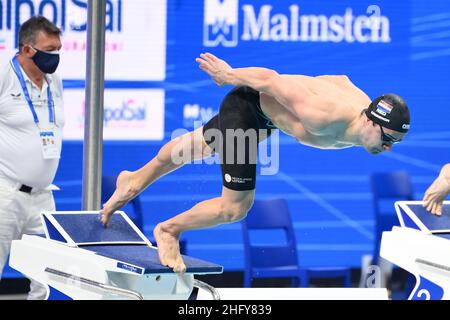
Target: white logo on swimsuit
(405, 126)
(220, 25)
(229, 179)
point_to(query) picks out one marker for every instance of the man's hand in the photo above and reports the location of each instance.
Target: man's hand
(218, 69)
(437, 192)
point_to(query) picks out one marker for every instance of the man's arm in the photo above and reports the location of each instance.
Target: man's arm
(286, 91)
(438, 191)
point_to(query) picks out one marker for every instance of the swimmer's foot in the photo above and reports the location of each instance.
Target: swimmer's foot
(169, 249)
(125, 191)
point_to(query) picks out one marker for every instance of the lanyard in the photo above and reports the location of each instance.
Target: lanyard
(27, 95)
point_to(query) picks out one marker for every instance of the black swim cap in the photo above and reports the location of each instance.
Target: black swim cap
(390, 111)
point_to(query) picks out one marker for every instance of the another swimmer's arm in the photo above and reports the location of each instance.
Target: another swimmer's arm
(438, 191)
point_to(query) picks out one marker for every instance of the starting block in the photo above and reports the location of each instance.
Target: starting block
(80, 259)
(420, 246)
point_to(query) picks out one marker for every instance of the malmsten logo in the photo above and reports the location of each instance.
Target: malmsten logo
(266, 23)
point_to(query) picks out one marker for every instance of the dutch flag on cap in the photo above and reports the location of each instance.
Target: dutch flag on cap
(385, 107)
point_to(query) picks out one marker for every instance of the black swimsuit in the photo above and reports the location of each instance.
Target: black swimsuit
(240, 112)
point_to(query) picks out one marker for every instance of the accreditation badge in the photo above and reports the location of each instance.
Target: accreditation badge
(48, 145)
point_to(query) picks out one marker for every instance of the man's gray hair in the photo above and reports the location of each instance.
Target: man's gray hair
(30, 29)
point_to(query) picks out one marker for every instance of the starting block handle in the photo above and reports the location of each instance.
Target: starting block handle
(202, 285)
(95, 284)
(433, 264)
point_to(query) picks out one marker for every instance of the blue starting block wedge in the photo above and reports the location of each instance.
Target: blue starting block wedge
(413, 215)
(87, 229)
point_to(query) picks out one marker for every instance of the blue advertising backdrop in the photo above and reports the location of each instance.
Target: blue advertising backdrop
(328, 191)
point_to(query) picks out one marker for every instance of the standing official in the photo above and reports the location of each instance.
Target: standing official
(31, 122)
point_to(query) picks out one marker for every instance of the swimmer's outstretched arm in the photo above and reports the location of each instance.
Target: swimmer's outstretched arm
(438, 191)
(289, 93)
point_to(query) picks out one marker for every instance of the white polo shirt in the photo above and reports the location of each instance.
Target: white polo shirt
(21, 158)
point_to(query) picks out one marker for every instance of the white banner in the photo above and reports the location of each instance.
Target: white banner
(135, 35)
(129, 114)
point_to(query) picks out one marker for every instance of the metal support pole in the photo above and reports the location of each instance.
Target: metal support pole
(93, 131)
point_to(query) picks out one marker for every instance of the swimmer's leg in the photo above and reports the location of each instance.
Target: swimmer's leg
(231, 206)
(173, 155)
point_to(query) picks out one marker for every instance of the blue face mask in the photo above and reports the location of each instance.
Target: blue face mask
(47, 62)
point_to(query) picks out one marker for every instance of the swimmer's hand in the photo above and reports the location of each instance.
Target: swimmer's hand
(437, 192)
(218, 69)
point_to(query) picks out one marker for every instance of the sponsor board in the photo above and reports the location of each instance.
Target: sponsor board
(129, 114)
(135, 40)
(229, 22)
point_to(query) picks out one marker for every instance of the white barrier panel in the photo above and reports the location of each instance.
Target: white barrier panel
(297, 294)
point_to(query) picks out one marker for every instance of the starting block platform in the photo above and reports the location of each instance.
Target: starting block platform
(78, 258)
(81, 259)
(421, 246)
